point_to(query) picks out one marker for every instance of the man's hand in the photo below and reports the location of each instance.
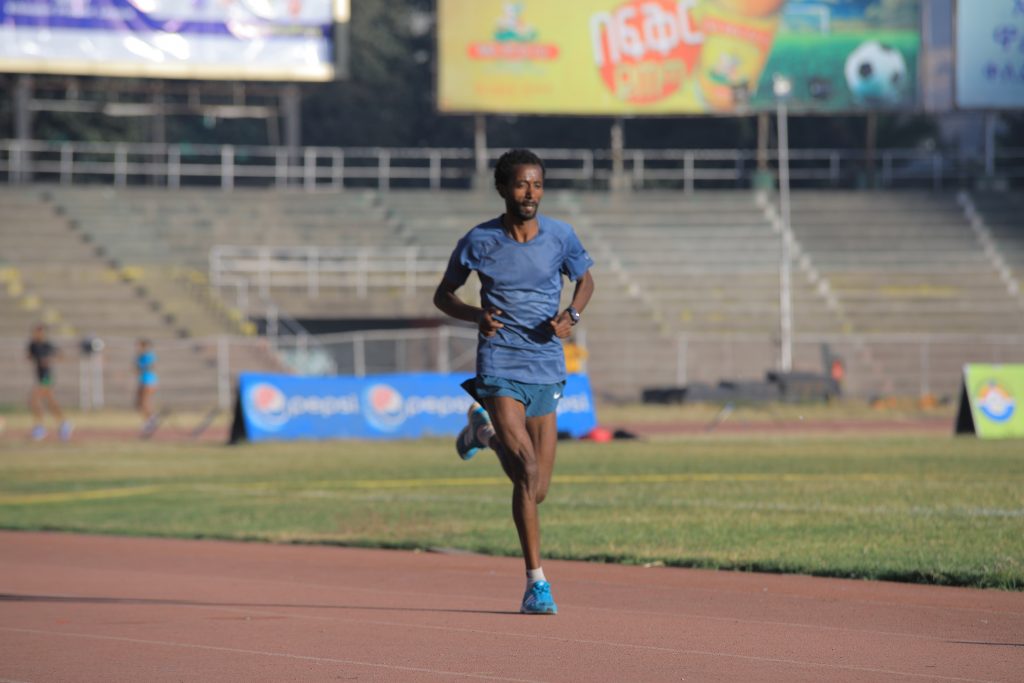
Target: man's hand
(487, 323)
(561, 325)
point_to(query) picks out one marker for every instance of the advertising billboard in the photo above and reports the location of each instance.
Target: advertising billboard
(396, 406)
(282, 40)
(990, 54)
(988, 401)
(629, 57)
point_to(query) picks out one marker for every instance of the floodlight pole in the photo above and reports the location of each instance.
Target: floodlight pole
(785, 287)
(991, 123)
(480, 152)
(618, 144)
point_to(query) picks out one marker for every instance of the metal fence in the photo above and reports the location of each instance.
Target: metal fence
(199, 374)
(333, 168)
(875, 364)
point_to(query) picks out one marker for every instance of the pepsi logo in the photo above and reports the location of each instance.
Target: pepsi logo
(995, 402)
(266, 406)
(385, 407)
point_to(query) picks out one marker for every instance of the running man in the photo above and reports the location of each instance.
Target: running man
(520, 258)
(42, 354)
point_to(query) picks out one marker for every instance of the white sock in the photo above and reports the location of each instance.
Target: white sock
(485, 433)
(533, 576)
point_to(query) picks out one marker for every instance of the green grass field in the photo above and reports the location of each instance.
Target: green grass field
(929, 509)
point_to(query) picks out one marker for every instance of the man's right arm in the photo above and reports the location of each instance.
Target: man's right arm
(449, 302)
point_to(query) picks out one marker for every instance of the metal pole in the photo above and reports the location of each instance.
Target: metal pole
(480, 151)
(312, 272)
(291, 103)
(785, 292)
(223, 373)
(689, 171)
(23, 90)
(991, 123)
(925, 366)
(97, 380)
(174, 167)
(383, 169)
(359, 355)
(443, 359)
(67, 160)
(272, 325)
(337, 169)
(227, 167)
(159, 128)
(264, 274)
(309, 169)
(618, 143)
(763, 124)
(84, 393)
(435, 170)
(581, 341)
(682, 344)
(871, 144)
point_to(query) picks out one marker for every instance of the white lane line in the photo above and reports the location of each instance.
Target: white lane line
(263, 653)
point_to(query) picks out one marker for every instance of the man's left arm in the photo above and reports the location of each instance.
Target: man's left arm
(563, 323)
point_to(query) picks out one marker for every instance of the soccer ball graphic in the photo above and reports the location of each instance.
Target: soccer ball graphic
(876, 74)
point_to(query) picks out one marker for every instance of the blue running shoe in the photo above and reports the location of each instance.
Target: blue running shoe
(468, 441)
(538, 600)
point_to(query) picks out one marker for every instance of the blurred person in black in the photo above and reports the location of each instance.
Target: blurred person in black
(42, 354)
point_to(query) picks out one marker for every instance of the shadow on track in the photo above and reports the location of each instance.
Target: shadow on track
(84, 600)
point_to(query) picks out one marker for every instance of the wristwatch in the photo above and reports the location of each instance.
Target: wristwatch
(573, 314)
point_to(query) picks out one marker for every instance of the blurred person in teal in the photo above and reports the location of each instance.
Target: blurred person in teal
(145, 363)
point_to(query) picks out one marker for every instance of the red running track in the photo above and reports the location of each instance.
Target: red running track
(85, 608)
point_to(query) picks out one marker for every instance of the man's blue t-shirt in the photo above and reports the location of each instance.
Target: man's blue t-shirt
(524, 281)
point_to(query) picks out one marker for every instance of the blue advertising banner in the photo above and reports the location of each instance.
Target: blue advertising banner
(401, 406)
(990, 54)
(223, 39)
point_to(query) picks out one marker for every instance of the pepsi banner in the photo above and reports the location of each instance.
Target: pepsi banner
(399, 406)
(988, 401)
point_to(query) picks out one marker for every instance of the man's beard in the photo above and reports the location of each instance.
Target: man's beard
(525, 212)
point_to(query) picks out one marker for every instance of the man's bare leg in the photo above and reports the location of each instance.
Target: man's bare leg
(51, 403)
(529, 463)
(36, 406)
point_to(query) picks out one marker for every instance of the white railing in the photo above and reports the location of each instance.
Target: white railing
(333, 168)
(311, 269)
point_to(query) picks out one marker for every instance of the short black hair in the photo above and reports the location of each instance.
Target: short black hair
(508, 161)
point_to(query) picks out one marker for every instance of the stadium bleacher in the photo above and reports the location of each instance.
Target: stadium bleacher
(899, 284)
(1002, 215)
(905, 263)
(77, 277)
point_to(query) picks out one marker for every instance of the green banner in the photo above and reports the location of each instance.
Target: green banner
(989, 400)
